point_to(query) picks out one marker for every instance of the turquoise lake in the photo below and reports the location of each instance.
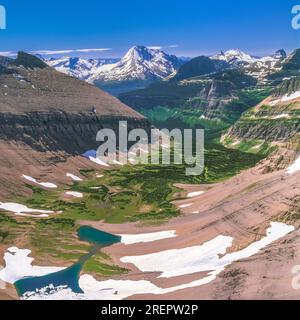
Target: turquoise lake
(70, 276)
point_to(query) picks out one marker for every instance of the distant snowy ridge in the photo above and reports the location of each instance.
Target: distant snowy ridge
(258, 67)
(240, 58)
(79, 68)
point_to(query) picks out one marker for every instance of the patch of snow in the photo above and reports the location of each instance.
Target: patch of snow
(295, 167)
(73, 177)
(18, 265)
(98, 161)
(43, 184)
(32, 215)
(286, 98)
(185, 205)
(194, 194)
(147, 237)
(292, 96)
(74, 194)
(281, 116)
(21, 210)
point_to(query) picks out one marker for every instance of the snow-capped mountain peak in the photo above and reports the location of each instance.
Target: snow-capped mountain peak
(139, 63)
(235, 57)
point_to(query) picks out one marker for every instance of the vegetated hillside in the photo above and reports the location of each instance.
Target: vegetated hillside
(274, 120)
(216, 90)
(199, 66)
(211, 101)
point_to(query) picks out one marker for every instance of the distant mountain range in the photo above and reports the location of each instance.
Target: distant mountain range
(142, 66)
(138, 68)
(213, 92)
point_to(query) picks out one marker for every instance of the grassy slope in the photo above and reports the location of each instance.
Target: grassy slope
(130, 193)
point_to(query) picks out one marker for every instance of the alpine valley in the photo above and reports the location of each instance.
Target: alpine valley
(74, 227)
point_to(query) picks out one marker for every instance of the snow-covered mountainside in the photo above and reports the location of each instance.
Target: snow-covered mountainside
(236, 58)
(254, 66)
(79, 68)
(139, 63)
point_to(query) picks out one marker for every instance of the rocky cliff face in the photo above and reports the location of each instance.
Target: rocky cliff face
(276, 119)
(70, 133)
(269, 130)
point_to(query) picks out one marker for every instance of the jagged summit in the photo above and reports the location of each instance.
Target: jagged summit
(280, 54)
(234, 56)
(139, 63)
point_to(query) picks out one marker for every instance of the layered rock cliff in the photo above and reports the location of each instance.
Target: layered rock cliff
(276, 119)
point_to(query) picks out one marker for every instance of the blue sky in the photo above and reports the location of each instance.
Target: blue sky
(188, 28)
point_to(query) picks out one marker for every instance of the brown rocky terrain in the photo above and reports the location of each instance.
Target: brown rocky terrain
(242, 207)
(47, 116)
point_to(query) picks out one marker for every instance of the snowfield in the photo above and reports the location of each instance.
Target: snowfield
(18, 265)
(73, 177)
(147, 237)
(74, 194)
(43, 184)
(210, 257)
(21, 210)
(205, 257)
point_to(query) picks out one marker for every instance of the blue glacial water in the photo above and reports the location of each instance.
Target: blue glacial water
(69, 277)
(90, 153)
